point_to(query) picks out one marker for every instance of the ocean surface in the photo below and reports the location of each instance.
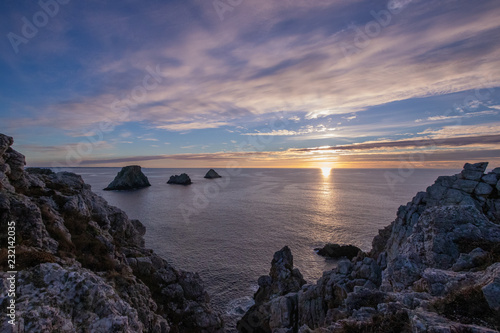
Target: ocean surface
(228, 229)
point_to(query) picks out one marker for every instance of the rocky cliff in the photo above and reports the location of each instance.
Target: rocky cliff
(82, 265)
(436, 268)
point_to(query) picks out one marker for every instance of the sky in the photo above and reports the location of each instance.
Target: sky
(289, 83)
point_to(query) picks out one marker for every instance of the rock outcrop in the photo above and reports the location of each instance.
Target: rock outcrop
(282, 280)
(82, 265)
(182, 179)
(337, 251)
(129, 178)
(436, 268)
(212, 174)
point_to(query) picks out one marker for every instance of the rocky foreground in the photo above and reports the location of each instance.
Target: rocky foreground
(82, 265)
(436, 268)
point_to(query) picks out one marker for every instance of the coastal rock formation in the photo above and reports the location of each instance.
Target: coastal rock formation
(337, 251)
(436, 268)
(182, 179)
(129, 178)
(82, 265)
(282, 280)
(212, 174)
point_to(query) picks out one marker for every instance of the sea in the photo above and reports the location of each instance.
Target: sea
(227, 229)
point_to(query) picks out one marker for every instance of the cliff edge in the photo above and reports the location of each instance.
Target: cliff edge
(436, 268)
(82, 265)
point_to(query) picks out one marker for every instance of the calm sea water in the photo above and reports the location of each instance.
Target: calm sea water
(228, 229)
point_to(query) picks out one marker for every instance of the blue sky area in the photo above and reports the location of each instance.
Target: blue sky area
(262, 83)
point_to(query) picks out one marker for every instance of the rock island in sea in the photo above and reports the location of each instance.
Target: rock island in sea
(82, 265)
(182, 179)
(129, 178)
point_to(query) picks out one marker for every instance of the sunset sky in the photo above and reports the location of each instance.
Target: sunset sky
(290, 83)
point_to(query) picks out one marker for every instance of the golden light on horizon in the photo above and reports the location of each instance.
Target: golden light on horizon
(326, 171)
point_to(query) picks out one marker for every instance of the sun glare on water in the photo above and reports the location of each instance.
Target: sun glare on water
(326, 171)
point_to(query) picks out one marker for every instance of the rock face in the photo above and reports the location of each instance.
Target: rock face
(337, 251)
(82, 265)
(212, 174)
(436, 268)
(182, 179)
(129, 178)
(282, 280)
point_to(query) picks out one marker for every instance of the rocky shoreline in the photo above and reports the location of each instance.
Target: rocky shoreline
(82, 265)
(436, 268)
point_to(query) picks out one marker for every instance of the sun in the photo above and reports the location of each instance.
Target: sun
(326, 171)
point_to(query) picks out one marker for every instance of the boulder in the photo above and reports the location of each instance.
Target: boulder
(337, 251)
(129, 178)
(212, 174)
(182, 179)
(474, 171)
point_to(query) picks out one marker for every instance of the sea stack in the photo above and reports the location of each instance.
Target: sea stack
(129, 178)
(212, 174)
(182, 179)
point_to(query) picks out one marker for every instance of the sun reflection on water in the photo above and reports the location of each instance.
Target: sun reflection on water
(326, 171)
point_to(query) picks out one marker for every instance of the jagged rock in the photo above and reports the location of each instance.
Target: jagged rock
(212, 174)
(39, 171)
(338, 251)
(283, 279)
(474, 171)
(82, 265)
(435, 268)
(129, 178)
(475, 258)
(491, 178)
(483, 189)
(182, 179)
(492, 293)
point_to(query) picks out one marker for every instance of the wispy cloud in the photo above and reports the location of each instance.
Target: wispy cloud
(418, 143)
(465, 115)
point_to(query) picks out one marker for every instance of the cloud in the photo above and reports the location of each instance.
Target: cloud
(466, 115)
(200, 82)
(413, 143)
(454, 131)
(192, 126)
(302, 131)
